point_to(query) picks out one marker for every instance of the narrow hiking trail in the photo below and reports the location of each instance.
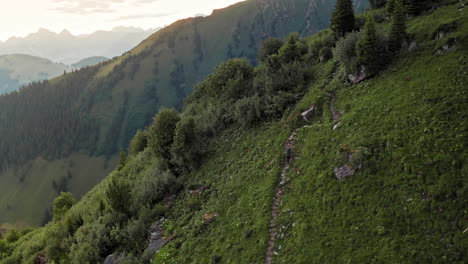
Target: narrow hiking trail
(288, 147)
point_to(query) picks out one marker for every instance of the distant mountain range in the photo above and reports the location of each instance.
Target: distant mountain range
(69, 49)
(17, 70)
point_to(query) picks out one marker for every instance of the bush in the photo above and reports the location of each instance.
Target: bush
(161, 133)
(269, 47)
(345, 52)
(62, 204)
(187, 149)
(138, 143)
(248, 110)
(118, 194)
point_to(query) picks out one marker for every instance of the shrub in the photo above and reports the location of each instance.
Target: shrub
(248, 110)
(187, 149)
(118, 194)
(345, 52)
(62, 204)
(161, 133)
(269, 47)
(138, 143)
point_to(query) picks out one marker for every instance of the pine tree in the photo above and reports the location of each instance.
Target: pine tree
(390, 6)
(367, 47)
(398, 28)
(377, 3)
(342, 20)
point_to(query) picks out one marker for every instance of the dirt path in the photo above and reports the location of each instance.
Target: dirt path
(335, 114)
(288, 146)
(278, 195)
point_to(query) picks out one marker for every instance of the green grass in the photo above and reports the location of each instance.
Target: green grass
(408, 203)
(241, 172)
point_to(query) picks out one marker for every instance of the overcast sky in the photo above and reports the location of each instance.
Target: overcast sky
(21, 17)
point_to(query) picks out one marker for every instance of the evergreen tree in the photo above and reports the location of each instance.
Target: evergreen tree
(186, 147)
(342, 20)
(290, 50)
(390, 6)
(367, 47)
(118, 195)
(398, 28)
(161, 133)
(269, 47)
(377, 3)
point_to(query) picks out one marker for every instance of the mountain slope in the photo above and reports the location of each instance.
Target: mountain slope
(68, 49)
(402, 132)
(97, 110)
(18, 69)
(89, 61)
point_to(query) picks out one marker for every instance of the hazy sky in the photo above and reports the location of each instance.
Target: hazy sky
(21, 17)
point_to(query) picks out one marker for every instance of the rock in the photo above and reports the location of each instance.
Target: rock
(450, 45)
(208, 218)
(412, 46)
(361, 76)
(336, 125)
(157, 238)
(439, 35)
(40, 259)
(307, 115)
(113, 258)
(344, 171)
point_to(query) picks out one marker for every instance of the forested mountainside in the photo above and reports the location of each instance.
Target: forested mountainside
(89, 61)
(95, 111)
(338, 147)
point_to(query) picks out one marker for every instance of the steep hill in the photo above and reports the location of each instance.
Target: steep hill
(289, 162)
(89, 61)
(66, 48)
(97, 110)
(19, 69)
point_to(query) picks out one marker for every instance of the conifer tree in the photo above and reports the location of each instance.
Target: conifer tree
(377, 3)
(390, 6)
(398, 28)
(367, 47)
(342, 20)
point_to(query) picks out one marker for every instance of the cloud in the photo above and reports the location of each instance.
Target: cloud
(85, 6)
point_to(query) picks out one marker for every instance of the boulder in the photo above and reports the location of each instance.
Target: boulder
(40, 259)
(412, 46)
(450, 45)
(208, 218)
(157, 238)
(113, 258)
(359, 77)
(307, 115)
(344, 171)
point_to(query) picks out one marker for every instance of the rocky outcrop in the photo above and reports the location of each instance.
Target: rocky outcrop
(158, 237)
(114, 258)
(450, 45)
(359, 77)
(40, 259)
(307, 115)
(343, 172)
(348, 161)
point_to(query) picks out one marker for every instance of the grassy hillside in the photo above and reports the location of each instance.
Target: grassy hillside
(403, 132)
(96, 110)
